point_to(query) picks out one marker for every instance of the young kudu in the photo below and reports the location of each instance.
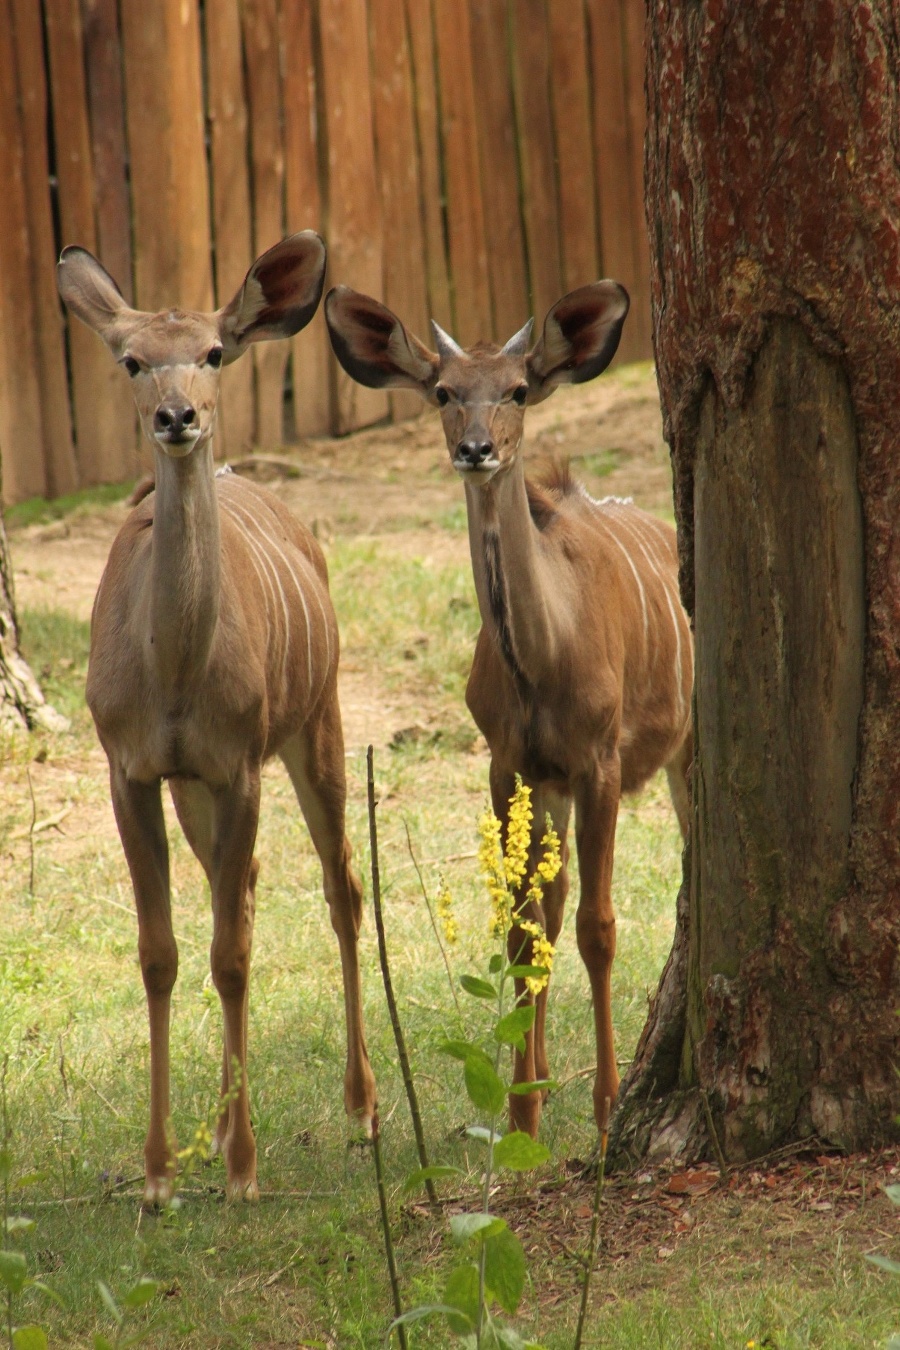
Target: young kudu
(214, 646)
(583, 668)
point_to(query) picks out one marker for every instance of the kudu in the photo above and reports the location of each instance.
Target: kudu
(214, 645)
(582, 675)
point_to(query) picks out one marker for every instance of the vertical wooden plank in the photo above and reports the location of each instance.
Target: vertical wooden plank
(499, 166)
(530, 40)
(226, 113)
(106, 102)
(421, 38)
(260, 29)
(353, 210)
(103, 408)
(466, 230)
(310, 350)
(21, 426)
(169, 181)
(405, 289)
(636, 102)
(612, 149)
(53, 383)
(571, 100)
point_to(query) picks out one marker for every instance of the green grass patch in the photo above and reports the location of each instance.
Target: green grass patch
(306, 1266)
(40, 511)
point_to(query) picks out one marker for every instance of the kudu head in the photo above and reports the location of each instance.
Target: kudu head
(174, 357)
(482, 393)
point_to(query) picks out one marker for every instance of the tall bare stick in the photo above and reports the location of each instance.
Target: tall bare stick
(595, 1223)
(386, 1225)
(388, 986)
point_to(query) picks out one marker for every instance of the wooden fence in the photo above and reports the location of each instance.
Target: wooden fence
(469, 160)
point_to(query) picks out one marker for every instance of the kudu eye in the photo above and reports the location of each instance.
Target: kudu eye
(442, 396)
(214, 357)
(520, 395)
(133, 367)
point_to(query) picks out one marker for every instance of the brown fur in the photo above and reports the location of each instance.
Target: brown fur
(581, 681)
(214, 646)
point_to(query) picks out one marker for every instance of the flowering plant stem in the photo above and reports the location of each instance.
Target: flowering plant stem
(388, 984)
(595, 1223)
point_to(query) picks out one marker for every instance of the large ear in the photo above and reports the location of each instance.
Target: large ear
(280, 294)
(579, 339)
(90, 292)
(373, 345)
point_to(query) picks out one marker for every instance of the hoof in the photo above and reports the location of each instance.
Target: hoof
(243, 1188)
(158, 1192)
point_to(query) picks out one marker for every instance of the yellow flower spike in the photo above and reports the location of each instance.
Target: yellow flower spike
(445, 913)
(490, 860)
(518, 835)
(542, 953)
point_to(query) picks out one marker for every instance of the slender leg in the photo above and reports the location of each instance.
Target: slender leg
(195, 807)
(525, 1111)
(236, 814)
(138, 808)
(555, 895)
(314, 758)
(596, 809)
(678, 772)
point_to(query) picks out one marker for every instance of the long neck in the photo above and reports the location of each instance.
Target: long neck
(511, 571)
(186, 567)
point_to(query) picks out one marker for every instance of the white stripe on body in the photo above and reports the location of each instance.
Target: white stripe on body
(651, 548)
(265, 568)
(279, 552)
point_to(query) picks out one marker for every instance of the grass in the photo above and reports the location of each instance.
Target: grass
(306, 1266)
(40, 511)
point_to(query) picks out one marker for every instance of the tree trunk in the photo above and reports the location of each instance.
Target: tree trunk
(773, 196)
(21, 701)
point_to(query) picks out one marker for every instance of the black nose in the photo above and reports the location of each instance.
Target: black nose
(474, 452)
(173, 419)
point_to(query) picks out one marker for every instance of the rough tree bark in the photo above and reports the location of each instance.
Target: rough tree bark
(21, 701)
(773, 199)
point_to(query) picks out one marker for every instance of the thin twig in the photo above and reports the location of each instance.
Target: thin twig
(385, 1219)
(433, 920)
(595, 1223)
(31, 833)
(388, 986)
(714, 1135)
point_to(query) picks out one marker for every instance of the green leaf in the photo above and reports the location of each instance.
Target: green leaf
(435, 1173)
(893, 1343)
(13, 1270)
(885, 1263)
(28, 1179)
(466, 1226)
(102, 1342)
(416, 1315)
(482, 1134)
(519, 1152)
(461, 1293)
(511, 1029)
(504, 1268)
(6, 1163)
(478, 988)
(458, 1049)
(892, 1193)
(107, 1296)
(19, 1223)
(30, 1338)
(538, 1085)
(483, 1086)
(141, 1293)
(495, 965)
(509, 1338)
(528, 972)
